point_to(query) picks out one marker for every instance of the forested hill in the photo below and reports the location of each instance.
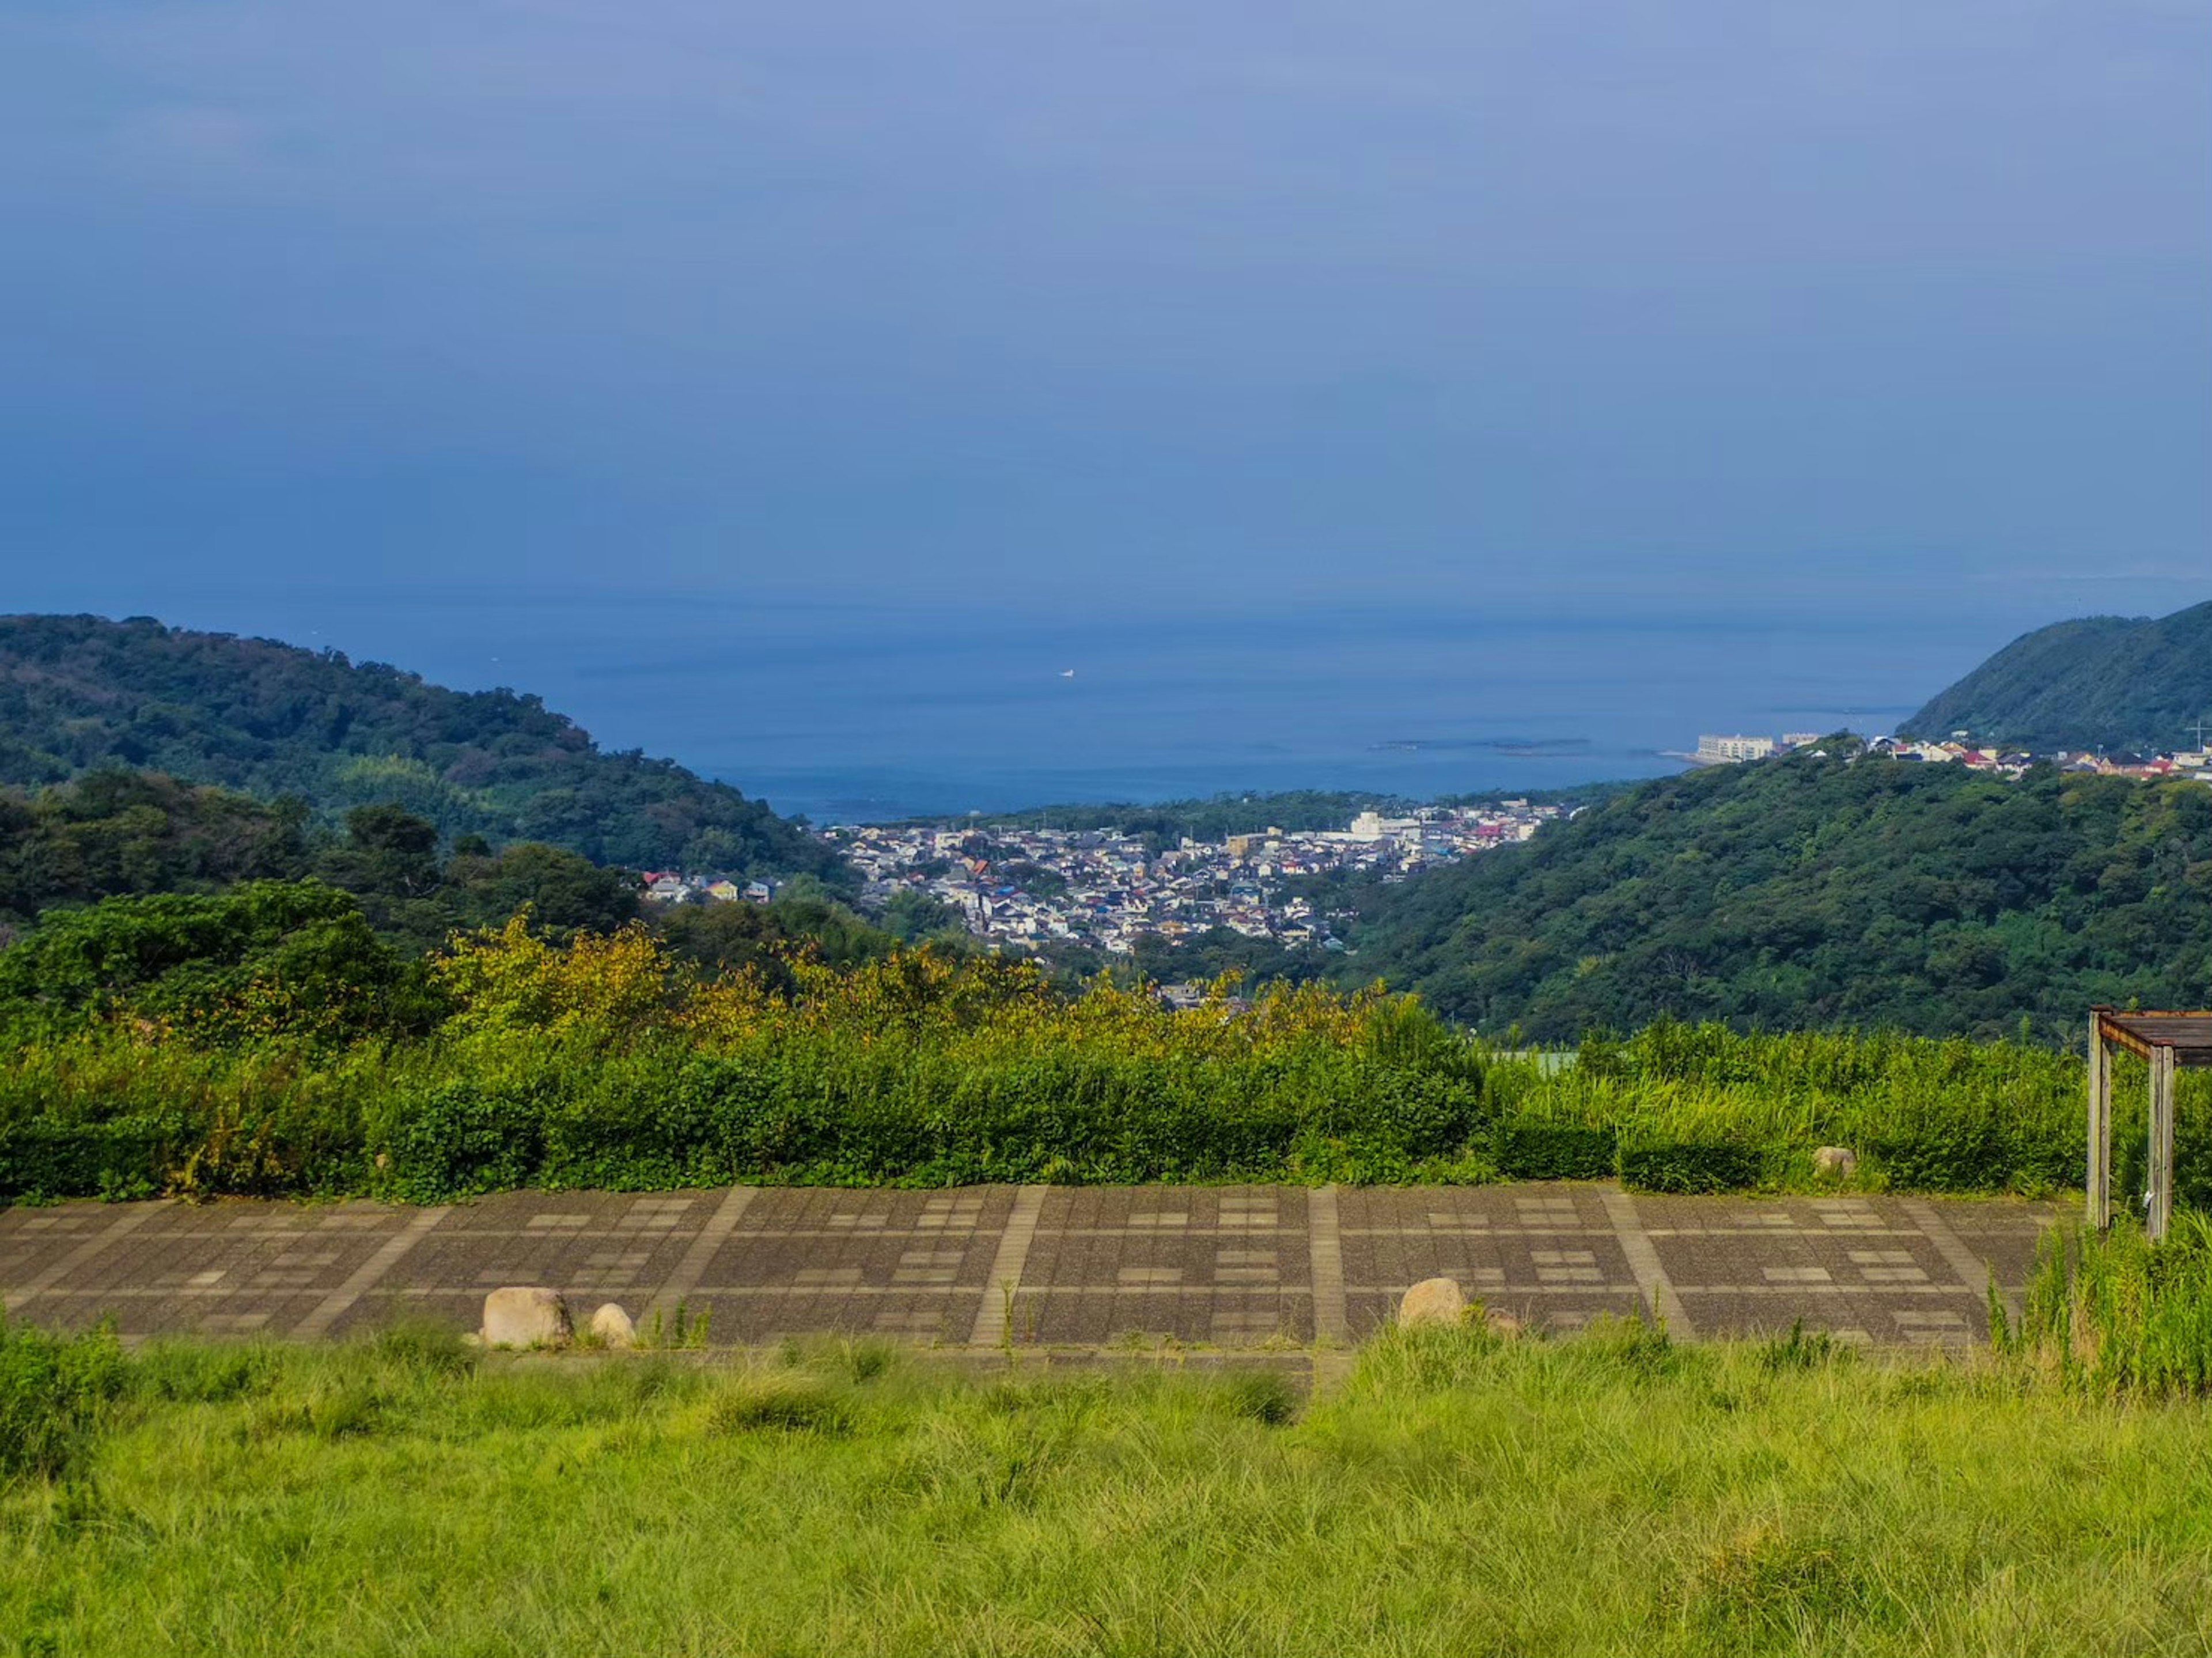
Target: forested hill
(2105, 681)
(1801, 893)
(80, 694)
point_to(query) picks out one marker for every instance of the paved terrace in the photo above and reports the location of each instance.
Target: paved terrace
(1047, 1267)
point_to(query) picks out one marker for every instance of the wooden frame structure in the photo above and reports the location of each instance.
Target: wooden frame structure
(2169, 1044)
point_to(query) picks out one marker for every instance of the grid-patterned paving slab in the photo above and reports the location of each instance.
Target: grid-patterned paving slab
(1868, 1269)
(219, 1269)
(591, 1246)
(1228, 1265)
(913, 1265)
(2002, 1234)
(1549, 1254)
(35, 1241)
(1231, 1267)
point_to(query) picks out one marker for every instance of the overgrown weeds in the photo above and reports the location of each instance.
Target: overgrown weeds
(755, 1404)
(55, 1392)
(2115, 1314)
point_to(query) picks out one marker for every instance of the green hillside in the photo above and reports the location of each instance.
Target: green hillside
(2104, 681)
(1804, 893)
(80, 694)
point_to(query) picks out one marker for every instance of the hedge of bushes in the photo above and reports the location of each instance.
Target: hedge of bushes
(599, 1064)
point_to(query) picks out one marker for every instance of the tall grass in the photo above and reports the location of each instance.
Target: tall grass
(1461, 1493)
(2115, 1314)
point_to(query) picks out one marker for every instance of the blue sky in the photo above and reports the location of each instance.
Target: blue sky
(1064, 306)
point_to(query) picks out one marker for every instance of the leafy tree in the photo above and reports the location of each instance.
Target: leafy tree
(1219, 951)
(115, 832)
(839, 937)
(915, 917)
(267, 958)
(563, 891)
(767, 939)
(511, 982)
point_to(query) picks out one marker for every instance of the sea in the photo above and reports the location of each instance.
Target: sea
(849, 713)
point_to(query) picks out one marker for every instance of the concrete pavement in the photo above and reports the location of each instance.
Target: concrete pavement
(1249, 1267)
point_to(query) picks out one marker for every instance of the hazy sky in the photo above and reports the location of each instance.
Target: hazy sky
(1054, 305)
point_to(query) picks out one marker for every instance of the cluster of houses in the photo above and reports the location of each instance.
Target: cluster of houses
(1962, 750)
(662, 888)
(2195, 763)
(1101, 888)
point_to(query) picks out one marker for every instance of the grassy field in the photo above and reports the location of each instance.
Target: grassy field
(1461, 1494)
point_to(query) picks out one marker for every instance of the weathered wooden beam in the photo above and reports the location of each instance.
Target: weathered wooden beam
(2189, 1035)
(2099, 1183)
(2161, 1144)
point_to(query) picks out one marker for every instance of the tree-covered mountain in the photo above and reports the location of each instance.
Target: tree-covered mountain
(1813, 892)
(80, 694)
(2105, 681)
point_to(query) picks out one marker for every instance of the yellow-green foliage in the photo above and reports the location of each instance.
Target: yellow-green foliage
(602, 1060)
(511, 983)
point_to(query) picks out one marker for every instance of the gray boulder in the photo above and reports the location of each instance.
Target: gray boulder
(1835, 1163)
(613, 1326)
(525, 1317)
(1432, 1301)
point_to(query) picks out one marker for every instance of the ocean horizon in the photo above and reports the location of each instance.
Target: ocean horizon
(857, 713)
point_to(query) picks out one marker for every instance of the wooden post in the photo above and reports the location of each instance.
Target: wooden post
(2162, 1142)
(2100, 1196)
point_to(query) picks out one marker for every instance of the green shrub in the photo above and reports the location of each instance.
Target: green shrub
(600, 1063)
(1533, 1149)
(54, 1391)
(1689, 1165)
(124, 1158)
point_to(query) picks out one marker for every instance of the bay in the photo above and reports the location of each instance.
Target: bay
(850, 712)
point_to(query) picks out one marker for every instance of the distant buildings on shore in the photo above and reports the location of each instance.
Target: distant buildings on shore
(1960, 749)
(1106, 890)
(2195, 763)
(1717, 751)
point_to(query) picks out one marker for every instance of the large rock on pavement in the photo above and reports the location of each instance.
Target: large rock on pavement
(613, 1326)
(525, 1317)
(1432, 1301)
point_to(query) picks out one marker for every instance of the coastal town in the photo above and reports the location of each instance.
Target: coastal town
(1096, 887)
(1019, 886)
(1026, 886)
(1029, 887)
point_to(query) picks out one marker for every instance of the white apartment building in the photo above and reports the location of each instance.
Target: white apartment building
(1728, 750)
